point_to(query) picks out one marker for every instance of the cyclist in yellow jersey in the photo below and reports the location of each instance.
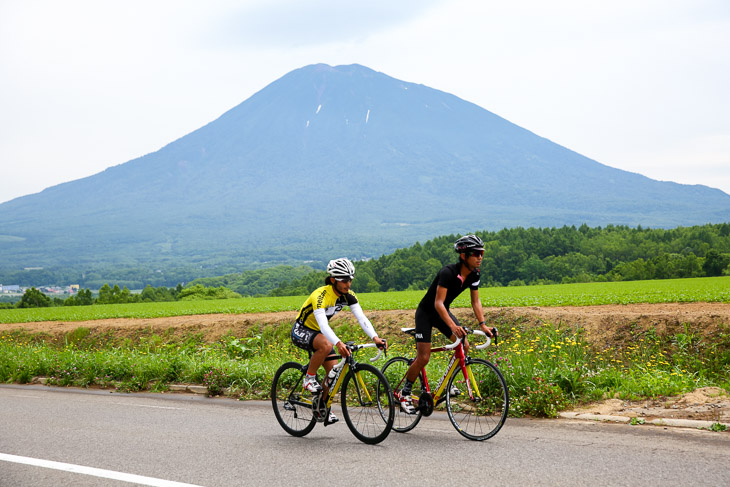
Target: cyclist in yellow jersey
(311, 330)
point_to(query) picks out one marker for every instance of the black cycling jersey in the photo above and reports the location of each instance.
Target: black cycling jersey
(449, 277)
(426, 315)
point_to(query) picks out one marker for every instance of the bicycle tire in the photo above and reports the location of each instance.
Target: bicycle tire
(478, 418)
(369, 412)
(291, 402)
(394, 371)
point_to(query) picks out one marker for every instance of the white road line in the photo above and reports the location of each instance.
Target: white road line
(96, 472)
(145, 406)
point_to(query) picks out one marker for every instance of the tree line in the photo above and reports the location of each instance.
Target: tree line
(34, 298)
(528, 256)
(512, 257)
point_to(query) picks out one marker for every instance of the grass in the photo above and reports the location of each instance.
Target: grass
(705, 289)
(548, 368)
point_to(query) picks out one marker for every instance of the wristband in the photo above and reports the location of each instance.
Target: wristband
(482, 323)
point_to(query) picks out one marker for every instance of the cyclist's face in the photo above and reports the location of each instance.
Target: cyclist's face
(475, 259)
(342, 287)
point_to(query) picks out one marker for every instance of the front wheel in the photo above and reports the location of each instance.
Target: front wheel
(481, 415)
(395, 372)
(292, 403)
(367, 404)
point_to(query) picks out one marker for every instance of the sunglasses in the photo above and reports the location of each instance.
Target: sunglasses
(478, 253)
(343, 279)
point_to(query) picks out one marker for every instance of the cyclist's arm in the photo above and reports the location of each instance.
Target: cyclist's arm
(444, 313)
(365, 324)
(476, 305)
(324, 326)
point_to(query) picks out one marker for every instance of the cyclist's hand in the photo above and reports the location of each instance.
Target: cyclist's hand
(381, 343)
(458, 331)
(342, 349)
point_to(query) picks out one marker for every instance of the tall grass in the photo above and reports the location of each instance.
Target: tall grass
(548, 368)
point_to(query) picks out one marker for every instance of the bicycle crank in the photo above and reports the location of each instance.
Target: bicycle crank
(425, 403)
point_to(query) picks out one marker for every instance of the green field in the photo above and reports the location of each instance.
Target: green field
(706, 289)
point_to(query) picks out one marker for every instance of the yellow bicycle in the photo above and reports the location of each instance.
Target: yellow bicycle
(367, 399)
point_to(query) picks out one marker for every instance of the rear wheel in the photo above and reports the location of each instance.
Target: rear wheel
(367, 404)
(292, 403)
(480, 416)
(395, 372)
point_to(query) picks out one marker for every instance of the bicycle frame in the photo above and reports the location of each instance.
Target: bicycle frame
(342, 368)
(458, 362)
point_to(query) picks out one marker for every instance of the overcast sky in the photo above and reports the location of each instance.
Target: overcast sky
(640, 85)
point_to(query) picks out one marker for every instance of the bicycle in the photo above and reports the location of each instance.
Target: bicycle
(477, 400)
(367, 399)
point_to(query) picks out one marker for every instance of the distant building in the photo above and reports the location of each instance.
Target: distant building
(9, 289)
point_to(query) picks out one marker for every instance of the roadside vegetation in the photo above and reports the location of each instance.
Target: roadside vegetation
(549, 367)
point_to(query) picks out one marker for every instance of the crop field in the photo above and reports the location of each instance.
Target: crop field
(709, 289)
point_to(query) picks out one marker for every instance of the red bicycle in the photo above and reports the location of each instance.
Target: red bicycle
(474, 390)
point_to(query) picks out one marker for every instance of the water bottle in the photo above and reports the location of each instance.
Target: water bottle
(330, 377)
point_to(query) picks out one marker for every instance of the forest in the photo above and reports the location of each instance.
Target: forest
(521, 256)
(512, 257)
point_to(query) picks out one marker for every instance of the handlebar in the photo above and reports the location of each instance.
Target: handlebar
(474, 332)
(353, 348)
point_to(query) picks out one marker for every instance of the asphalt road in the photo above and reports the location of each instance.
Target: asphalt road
(164, 439)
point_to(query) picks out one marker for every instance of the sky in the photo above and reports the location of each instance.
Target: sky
(639, 85)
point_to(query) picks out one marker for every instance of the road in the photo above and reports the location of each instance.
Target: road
(167, 438)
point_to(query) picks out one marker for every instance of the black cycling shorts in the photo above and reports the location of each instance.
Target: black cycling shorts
(303, 336)
(426, 321)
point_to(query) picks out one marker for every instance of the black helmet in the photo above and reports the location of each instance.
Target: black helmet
(468, 243)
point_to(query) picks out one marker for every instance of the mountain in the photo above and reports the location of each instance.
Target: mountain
(332, 161)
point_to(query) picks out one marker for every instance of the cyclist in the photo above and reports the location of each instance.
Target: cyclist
(433, 310)
(311, 330)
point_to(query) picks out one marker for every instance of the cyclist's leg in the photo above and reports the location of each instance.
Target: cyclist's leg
(308, 339)
(423, 345)
(322, 348)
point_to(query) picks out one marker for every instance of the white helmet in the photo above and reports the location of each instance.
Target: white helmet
(341, 268)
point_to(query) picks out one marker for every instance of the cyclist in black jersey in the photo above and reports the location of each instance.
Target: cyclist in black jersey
(433, 310)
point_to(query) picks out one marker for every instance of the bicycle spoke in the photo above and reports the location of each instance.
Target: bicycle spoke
(478, 416)
(292, 404)
(367, 404)
(395, 372)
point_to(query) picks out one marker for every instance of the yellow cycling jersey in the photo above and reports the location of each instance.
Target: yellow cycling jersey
(326, 299)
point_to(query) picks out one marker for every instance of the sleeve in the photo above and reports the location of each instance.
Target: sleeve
(477, 279)
(324, 326)
(365, 324)
(445, 277)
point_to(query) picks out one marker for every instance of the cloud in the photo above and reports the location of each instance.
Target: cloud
(294, 23)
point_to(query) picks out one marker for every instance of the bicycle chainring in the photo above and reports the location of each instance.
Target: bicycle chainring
(425, 403)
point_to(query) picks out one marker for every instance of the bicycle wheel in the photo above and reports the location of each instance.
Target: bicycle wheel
(394, 371)
(292, 403)
(479, 417)
(367, 404)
